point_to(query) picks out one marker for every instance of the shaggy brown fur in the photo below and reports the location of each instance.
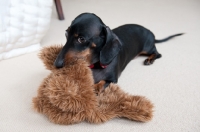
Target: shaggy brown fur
(68, 95)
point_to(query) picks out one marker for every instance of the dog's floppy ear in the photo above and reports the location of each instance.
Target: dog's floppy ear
(110, 49)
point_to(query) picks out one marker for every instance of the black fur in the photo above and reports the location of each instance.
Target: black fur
(114, 48)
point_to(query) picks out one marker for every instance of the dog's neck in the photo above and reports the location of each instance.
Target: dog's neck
(97, 65)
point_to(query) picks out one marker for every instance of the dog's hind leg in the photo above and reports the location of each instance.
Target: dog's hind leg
(152, 55)
(150, 48)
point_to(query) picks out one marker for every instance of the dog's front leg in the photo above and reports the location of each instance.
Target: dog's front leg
(99, 87)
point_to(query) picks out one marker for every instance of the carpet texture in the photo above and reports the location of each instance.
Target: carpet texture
(171, 83)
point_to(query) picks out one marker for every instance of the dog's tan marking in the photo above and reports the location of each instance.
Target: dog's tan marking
(151, 57)
(93, 45)
(86, 55)
(69, 54)
(143, 53)
(75, 35)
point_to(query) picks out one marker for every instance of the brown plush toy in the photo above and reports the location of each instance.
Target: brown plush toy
(68, 95)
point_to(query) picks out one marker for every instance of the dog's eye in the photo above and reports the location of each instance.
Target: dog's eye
(81, 40)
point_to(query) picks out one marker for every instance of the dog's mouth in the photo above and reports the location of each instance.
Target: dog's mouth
(68, 56)
(72, 56)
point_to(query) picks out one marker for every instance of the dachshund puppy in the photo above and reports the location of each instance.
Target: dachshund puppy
(108, 51)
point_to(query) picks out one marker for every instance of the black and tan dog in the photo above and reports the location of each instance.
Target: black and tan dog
(108, 51)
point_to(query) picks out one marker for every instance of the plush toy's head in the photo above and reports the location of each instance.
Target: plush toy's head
(68, 95)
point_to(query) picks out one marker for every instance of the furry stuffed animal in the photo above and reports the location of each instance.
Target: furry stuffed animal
(68, 95)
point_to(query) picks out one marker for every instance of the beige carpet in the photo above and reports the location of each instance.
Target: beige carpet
(171, 83)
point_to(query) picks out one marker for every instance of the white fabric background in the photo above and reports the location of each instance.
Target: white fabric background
(23, 23)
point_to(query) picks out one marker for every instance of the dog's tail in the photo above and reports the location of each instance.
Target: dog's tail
(170, 37)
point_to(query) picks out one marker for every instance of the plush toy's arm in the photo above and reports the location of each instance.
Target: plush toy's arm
(48, 56)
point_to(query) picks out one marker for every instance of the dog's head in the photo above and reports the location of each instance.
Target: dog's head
(88, 37)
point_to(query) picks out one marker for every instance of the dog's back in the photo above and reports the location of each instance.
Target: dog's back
(134, 39)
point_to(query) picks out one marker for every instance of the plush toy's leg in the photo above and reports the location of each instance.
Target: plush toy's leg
(53, 109)
(41, 100)
(135, 108)
(102, 113)
(48, 56)
(54, 114)
(38, 104)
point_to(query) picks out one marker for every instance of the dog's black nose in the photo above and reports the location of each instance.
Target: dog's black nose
(59, 63)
